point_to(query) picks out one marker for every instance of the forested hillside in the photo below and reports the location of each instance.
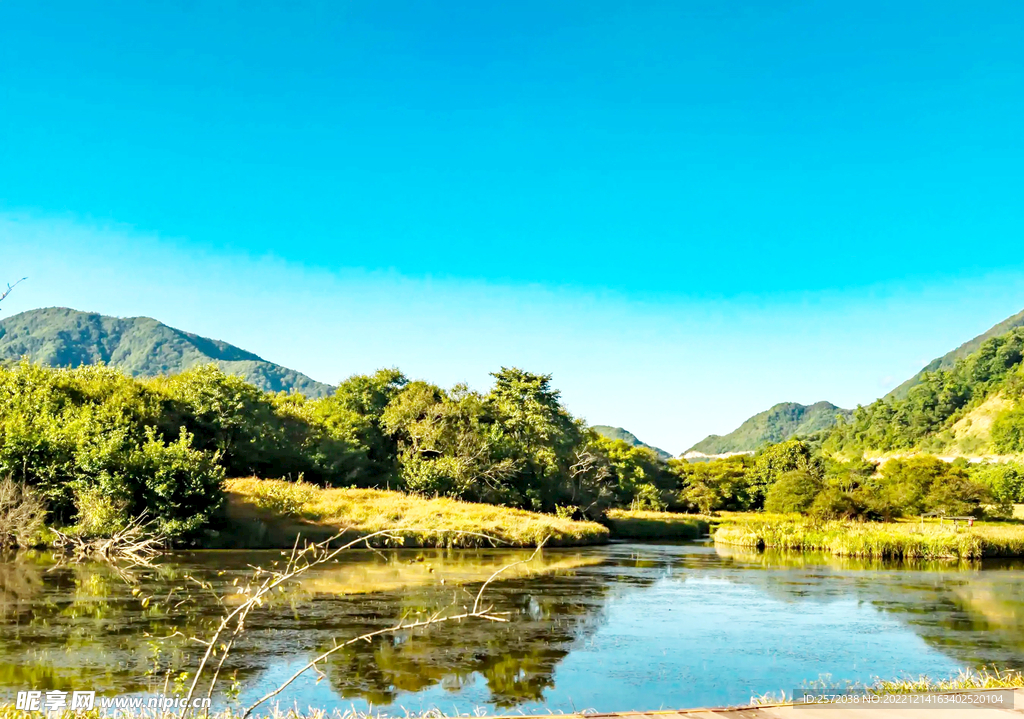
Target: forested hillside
(937, 413)
(140, 346)
(618, 433)
(777, 424)
(949, 359)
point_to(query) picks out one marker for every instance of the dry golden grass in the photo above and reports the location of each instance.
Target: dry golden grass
(884, 540)
(270, 513)
(641, 524)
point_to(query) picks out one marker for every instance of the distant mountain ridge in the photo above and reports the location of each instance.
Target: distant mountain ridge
(628, 437)
(139, 346)
(784, 420)
(949, 359)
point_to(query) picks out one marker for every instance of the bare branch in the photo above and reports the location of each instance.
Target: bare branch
(10, 287)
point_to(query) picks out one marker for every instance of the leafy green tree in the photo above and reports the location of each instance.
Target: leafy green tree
(533, 429)
(90, 436)
(257, 433)
(794, 491)
(715, 485)
(641, 478)
(775, 461)
(355, 414)
(446, 445)
(1008, 430)
(1004, 482)
(957, 495)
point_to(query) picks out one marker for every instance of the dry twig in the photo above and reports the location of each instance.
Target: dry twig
(299, 561)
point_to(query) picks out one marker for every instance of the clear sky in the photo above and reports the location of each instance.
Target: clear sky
(686, 211)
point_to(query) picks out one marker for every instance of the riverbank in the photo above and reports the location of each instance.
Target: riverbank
(881, 540)
(269, 514)
(638, 524)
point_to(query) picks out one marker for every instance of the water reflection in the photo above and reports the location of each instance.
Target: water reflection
(615, 627)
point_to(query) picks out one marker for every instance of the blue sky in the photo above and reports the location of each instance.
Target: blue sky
(687, 211)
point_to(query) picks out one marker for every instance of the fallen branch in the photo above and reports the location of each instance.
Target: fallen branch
(138, 543)
(298, 562)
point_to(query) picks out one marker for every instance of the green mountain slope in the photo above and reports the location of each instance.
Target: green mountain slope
(628, 437)
(777, 424)
(972, 408)
(947, 361)
(140, 346)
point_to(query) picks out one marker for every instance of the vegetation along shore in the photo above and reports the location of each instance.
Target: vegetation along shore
(86, 451)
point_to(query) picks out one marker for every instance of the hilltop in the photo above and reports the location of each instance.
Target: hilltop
(948, 360)
(784, 420)
(629, 438)
(973, 408)
(139, 346)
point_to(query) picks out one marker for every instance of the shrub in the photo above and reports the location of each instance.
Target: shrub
(21, 514)
(777, 460)
(1008, 430)
(647, 497)
(835, 503)
(957, 495)
(1004, 483)
(794, 491)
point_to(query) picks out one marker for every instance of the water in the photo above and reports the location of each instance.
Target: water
(619, 627)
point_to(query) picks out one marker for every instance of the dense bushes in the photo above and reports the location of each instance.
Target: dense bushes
(101, 447)
(89, 441)
(792, 478)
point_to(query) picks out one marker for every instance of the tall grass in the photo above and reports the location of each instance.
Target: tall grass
(639, 524)
(269, 513)
(876, 539)
(964, 681)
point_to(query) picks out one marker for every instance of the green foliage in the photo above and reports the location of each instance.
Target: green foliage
(256, 433)
(708, 487)
(78, 435)
(794, 491)
(908, 487)
(1008, 430)
(516, 445)
(925, 415)
(629, 438)
(355, 414)
(957, 495)
(641, 478)
(777, 460)
(1004, 483)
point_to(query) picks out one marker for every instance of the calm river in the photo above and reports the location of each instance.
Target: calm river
(624, 626)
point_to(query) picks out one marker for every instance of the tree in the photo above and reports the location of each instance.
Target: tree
(532, 428)
(1008, 430)
(794, 491)
(355, 414)
(715, 485)
(640, 477)
(775, 461)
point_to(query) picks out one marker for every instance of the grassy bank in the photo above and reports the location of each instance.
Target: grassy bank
(893, 540)
(269, 513)
(629, 524)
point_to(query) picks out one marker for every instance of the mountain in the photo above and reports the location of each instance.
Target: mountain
(947, 361)
(975, 408)
(139, 346)
(627, 437)
(777, 424)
